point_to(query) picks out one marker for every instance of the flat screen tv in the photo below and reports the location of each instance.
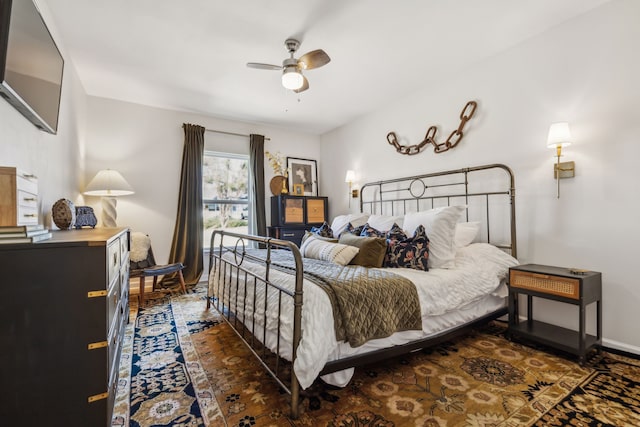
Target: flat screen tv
(30, 64)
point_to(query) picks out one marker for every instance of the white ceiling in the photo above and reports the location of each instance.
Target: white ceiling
(190, 55)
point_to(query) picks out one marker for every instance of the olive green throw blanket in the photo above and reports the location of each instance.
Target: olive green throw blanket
(367, 303)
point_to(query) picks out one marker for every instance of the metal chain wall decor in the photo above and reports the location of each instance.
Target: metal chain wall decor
(429, 138)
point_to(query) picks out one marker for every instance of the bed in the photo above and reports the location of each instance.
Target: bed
(326, 316)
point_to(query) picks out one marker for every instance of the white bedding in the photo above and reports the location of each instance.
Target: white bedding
(447, 298)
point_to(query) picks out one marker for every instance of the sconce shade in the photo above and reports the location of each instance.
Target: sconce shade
(108, 183)
(350, 177)
(559, 135)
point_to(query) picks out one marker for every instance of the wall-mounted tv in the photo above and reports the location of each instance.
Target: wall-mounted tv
(30, 64)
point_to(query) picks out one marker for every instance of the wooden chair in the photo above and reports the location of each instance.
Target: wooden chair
(148, 268)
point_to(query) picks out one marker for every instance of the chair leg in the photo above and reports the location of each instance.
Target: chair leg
(181, 278)
(141, 292)
(155, 282)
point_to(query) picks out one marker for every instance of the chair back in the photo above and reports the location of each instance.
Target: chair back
(135, 267)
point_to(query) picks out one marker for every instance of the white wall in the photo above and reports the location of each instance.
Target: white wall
(57, 160)
(584, 72)
(145, 145)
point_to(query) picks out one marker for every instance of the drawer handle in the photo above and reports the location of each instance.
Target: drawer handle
(29, 199)
(540, 276)
(115, 259)
(28, 175)
(30, 215)
(288, 234)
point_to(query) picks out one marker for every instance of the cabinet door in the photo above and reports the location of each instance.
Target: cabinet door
(287, 210)
(316, 210)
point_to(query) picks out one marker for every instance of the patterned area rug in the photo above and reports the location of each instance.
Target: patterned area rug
(479, 380)
(162, 382)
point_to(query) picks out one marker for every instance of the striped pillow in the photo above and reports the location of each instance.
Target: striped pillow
(328, 251)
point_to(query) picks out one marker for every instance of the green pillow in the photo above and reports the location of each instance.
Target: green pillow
(372, 249)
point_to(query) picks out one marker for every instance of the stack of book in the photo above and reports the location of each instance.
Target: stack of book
(23, 234)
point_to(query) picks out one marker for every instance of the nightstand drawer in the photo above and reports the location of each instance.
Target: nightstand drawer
(544, 283)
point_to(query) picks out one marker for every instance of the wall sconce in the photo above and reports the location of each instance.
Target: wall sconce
(560, 136)
(108, 184)
(353, 189)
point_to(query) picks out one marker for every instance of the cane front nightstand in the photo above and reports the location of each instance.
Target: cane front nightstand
(577, 287)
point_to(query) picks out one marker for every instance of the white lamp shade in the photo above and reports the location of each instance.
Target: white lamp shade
(351, 176)
(108, 183)
(559, 135)
(291, 78)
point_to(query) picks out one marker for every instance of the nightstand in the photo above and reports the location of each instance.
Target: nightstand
(558, 284)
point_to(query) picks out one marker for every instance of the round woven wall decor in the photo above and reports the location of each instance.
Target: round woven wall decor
(63, 213)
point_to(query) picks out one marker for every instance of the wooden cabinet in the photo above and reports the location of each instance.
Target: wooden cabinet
(18, 197)
(63, 312)
(559, 284)
(291, 216)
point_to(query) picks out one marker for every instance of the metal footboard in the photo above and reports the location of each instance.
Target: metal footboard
(229, 297)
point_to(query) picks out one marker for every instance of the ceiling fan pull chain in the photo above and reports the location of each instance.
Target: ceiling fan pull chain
(430, 137)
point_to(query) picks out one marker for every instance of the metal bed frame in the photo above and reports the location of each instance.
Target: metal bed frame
(395, 196)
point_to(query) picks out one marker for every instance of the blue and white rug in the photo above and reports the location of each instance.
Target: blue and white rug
(162, 382)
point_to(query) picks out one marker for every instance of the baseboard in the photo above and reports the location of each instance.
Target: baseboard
(616, 345)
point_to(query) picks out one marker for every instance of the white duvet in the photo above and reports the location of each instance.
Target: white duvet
(447, 296)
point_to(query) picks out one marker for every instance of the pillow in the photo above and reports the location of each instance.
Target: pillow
(440, 226)
(411, 252)
(353, 230)
(339, 223)
(369, 231)
(396, 233)
(328, 251)
(465, 233)
(324, 230)
(308, 234)
(372, 249)
(384, 222)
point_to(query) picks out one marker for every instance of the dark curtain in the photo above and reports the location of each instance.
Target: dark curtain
(187, 234)
(256, 160)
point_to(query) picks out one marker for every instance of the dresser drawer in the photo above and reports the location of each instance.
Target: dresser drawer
(546, 284)
(124, 248)
(27, 215)
(29, 200)
(113, 298)
(18, 197)
(113, 259)
(26, 182)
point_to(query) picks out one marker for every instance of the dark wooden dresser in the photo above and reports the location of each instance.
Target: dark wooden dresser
(63, 309)
(291, 216)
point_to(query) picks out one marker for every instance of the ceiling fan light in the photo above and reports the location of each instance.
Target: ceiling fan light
(292, 78)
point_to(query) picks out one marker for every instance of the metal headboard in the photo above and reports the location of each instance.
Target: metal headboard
(488, 191)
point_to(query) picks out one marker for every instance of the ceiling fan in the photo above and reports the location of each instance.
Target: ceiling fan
(292, 68)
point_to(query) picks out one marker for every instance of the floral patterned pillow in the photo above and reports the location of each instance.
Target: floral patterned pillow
(396, 233)
(353, 230)
(323, 231)
(369, 231)
(408, 252)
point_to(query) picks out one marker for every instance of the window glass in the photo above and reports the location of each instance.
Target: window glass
(225, 189)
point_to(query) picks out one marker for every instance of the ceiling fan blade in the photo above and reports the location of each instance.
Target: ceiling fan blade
(305, 85)
(314, 59)
(263, 66)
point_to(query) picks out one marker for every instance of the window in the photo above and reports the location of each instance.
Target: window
(225, 189)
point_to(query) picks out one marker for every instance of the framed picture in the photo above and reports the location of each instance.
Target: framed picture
(298, 190)
(303, 172)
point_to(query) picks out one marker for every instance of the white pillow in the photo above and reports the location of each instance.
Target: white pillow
(328, 251)
(340, 222)
(440, 224)
(384, 222)
(466, 233)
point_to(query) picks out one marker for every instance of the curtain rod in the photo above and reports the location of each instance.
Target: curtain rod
(232, 133)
